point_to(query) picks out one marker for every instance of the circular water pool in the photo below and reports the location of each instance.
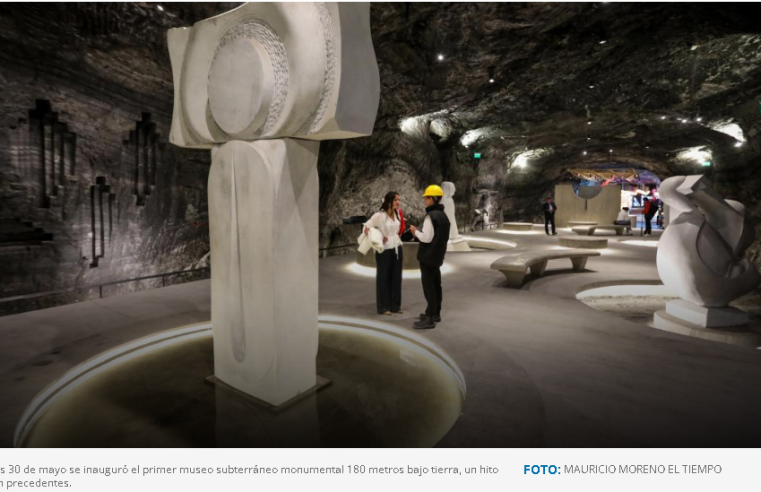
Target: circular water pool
(390, 388)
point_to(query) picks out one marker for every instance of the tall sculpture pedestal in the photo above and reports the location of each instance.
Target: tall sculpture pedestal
(458, 244)
(726, 325)
(263, 215)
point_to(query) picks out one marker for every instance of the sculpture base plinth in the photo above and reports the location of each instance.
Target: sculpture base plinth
(705, 316)
(458, 244)
(322, 383)
(749, 336)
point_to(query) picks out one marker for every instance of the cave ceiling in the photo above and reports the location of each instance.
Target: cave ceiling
(625, 83)
(635, 84)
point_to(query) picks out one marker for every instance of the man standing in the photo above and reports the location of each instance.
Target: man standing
(433, 246)
(549, 215)
(651, 208)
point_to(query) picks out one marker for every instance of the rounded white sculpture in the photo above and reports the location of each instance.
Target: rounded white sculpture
(700, 253)
(449, 190)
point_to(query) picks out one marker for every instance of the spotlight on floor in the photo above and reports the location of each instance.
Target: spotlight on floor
(641, 242)
(519, 233)
(364, 271)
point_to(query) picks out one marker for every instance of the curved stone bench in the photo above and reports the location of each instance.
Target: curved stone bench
(517, 226)
(584, 230)
(409, 261)
(583, 242)
(514, 266)
(590, 230)
(574, 223)
(491, 244)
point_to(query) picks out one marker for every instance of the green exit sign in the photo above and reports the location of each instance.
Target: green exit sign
(706, 164)
(477, 155)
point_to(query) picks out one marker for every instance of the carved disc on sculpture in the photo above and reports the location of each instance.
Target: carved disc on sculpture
(257, 31)
(329, 74)
(240, 86)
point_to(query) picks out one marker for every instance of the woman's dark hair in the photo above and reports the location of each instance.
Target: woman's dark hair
(436, 200)
(388, 201)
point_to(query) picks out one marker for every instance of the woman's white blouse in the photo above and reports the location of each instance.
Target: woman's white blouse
(389, 227)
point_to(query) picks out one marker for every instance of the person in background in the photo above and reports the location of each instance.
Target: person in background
(623, 219)
(433, 246)
(549, 215)
(650, 210)
(388, 276)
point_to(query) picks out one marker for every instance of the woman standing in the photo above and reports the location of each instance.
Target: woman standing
(388, 279)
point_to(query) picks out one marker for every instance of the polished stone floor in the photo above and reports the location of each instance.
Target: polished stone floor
(542, 368)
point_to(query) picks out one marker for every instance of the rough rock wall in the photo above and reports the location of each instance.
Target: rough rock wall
(91, 191)
(540, 88)
(102, 77)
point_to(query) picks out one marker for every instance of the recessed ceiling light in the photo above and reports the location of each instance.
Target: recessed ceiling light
(603, 41)
(589, 122)
(585, 152)
(663, 117)
(160, 8)
(739, 144)
(591, 87)
(699, 119)
(589, 138)
(611, 150)
(440, 57)
(491, 81)
(684, 121)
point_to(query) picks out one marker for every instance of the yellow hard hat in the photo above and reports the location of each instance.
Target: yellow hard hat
(434, 190)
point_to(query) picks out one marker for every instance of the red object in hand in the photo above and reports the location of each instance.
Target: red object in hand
(401, 219)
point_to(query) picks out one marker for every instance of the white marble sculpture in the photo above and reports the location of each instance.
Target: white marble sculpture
(455, 243)
(260, 86)
(700, 254)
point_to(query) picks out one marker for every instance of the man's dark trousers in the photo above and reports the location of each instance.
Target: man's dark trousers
(431, 278)
(549, 219)
(648, 224)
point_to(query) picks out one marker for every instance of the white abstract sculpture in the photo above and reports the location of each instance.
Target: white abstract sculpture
(455, 243)
(700, 254)
(244, 82)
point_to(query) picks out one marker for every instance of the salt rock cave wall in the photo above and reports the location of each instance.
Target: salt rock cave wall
(92, 192)
(90, 189)
(637, 72)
